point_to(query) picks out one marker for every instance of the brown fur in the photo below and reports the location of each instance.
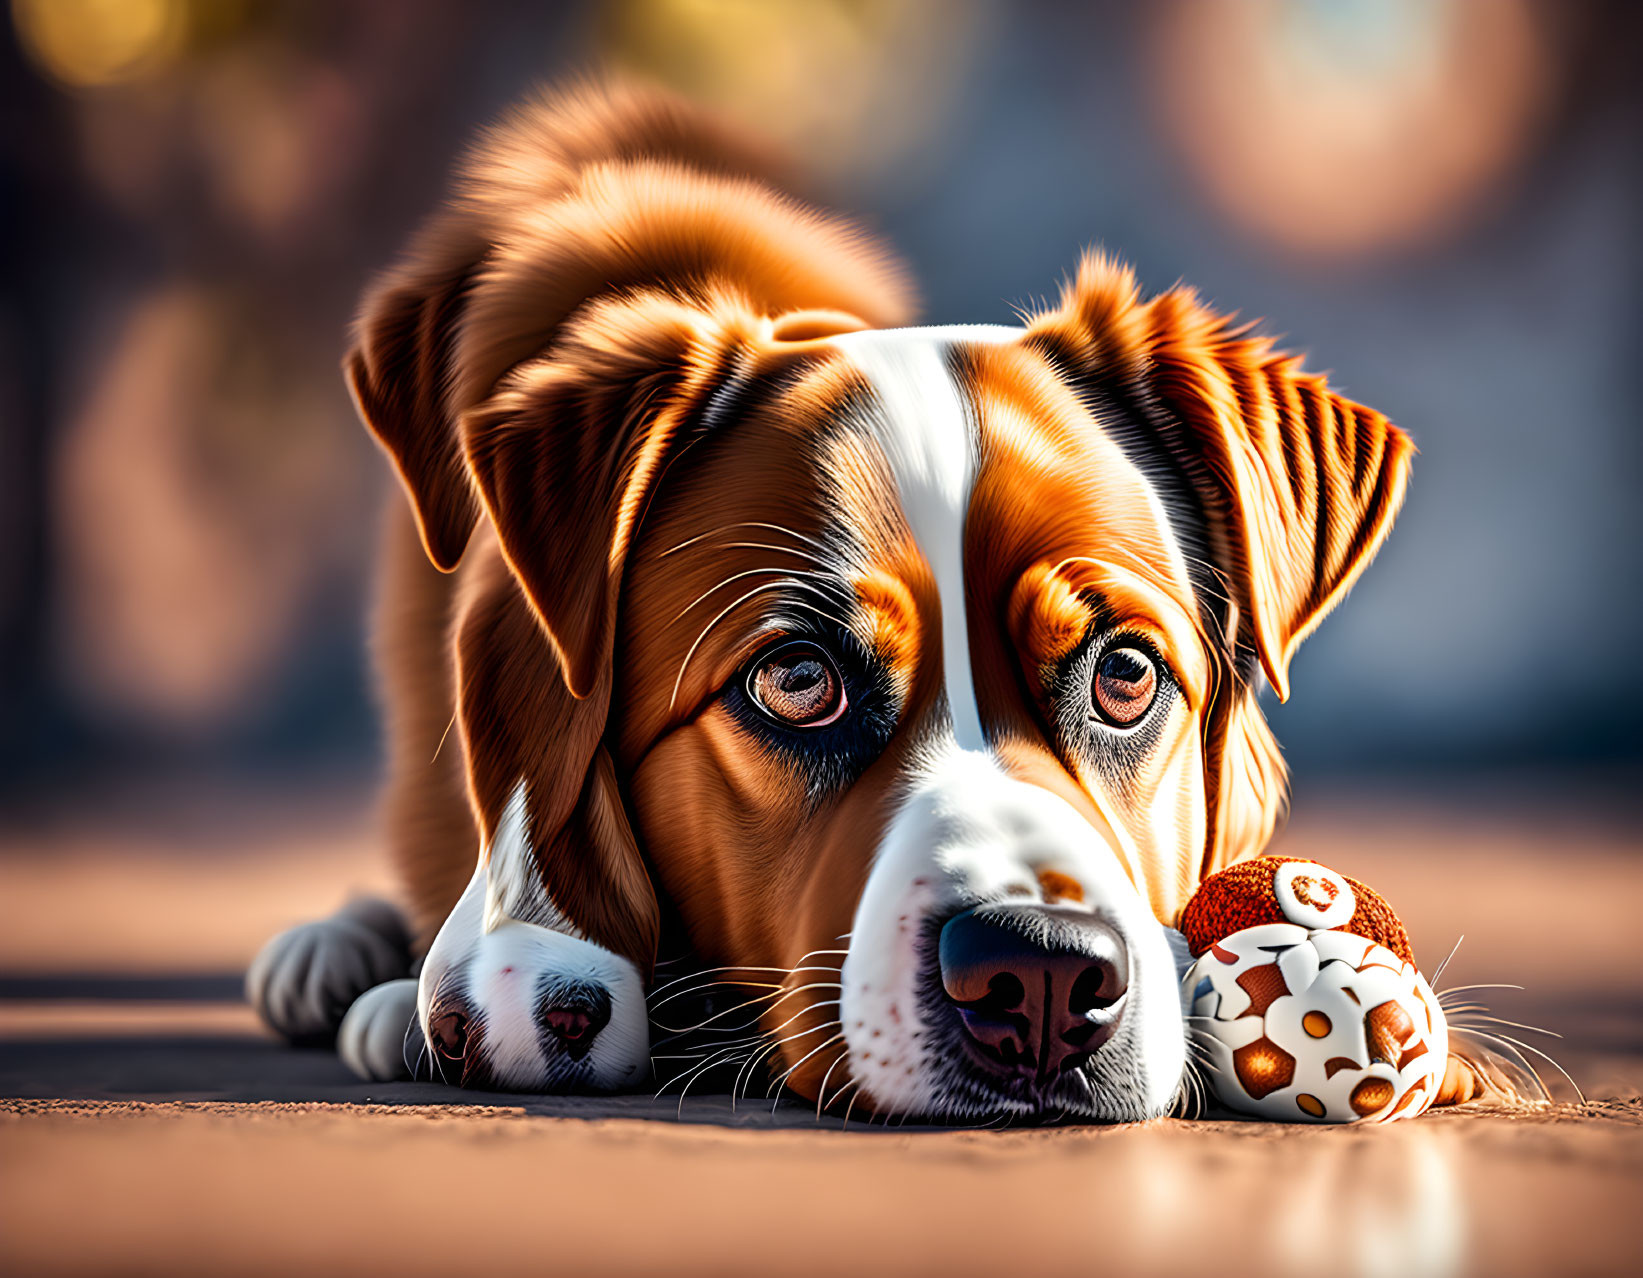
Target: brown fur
(553, 355)
(1299, 487)
(512, 315)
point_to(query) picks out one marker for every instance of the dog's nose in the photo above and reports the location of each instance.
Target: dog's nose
(1038, 988)
(571, 1016)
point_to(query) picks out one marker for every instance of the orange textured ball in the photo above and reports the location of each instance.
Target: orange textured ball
(1281, 889)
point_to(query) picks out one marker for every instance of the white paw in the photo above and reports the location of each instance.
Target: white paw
(306, 978)
(372, 1037)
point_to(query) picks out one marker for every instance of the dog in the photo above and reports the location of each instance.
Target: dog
(911, 672)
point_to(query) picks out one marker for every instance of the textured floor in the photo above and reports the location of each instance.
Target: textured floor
(146, 1126)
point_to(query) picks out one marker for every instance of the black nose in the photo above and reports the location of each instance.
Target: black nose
(1038, 988)
(571, 1016)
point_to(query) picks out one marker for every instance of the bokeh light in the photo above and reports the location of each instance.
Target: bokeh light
(1431, 195)
(1342, 127)
(854, 86)
(92, 43)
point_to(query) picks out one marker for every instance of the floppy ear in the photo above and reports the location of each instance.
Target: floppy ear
(529, 742)
(1296, 488)
(1305, 483)
(409, 372)
(1299, 485)
(566, 456)
(581, 310)
(399, 370)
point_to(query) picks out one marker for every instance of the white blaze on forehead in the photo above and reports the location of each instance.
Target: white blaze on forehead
(965, 832)
(928, 434)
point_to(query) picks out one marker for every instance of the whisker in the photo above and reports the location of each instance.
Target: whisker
(808, 1007)
(740, 967)
(844, 1088)
(714, 985)
(678, 682)
(1549, 1059)
(748, 1066)
(798, 576)
(1498, 1020)
(855, 1095)
(822, 1090)
(1438, 975)
(782, 1078)
(1461, 989)
(1151, 575)
(724, 1055)
(718, 1016)
(1503, 1049)
(763, 998)
(405, 1049)
(1192, 1092)
(753, 1059)
(794, 533)
(749, 1041)
(824, 562)
(755, 1052)
(685, 1090)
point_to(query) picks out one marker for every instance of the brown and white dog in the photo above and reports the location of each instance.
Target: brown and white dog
(914, 666)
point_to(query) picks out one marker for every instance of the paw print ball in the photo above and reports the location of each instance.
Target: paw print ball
(1305, 1000)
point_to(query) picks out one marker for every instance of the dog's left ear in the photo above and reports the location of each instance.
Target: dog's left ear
(1299, 485)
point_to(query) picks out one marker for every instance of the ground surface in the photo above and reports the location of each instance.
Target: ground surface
(146, 1126)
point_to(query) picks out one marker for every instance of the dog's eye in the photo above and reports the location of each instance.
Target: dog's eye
(1125, 684)
(798, 685)
(449, 1031)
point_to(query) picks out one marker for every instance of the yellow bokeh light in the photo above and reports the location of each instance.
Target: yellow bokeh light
(854, 86)
(90, 43)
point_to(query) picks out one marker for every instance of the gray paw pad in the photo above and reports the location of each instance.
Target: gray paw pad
(306, 978)
(372, 1040)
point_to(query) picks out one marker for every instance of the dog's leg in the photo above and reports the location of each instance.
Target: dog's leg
(306, 978)
(379, 1038)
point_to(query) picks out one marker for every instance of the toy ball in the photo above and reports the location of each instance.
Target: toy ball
(1306, 1000)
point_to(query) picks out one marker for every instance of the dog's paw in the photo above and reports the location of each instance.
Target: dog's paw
(306, 978)
(374, 1036)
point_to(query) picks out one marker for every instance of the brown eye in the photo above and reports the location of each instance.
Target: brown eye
(1125, 684)
(449, 1031)
(798, 685)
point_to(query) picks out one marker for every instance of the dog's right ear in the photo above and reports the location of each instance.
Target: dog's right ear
(400, 372)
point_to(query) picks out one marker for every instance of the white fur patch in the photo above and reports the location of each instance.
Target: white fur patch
(929, 438)
(504, 943)
(965, 832)
(969, 835)
(513, 883)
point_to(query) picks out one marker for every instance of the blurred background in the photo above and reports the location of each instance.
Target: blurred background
(1438, 199)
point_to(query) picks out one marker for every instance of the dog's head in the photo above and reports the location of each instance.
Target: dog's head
(915, 667)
